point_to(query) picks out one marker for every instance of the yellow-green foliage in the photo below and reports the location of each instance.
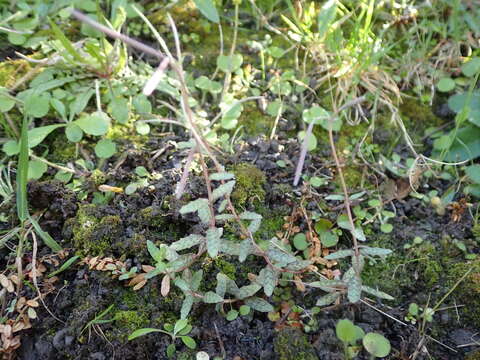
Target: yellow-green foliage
(150, 216)
(12, 70)
(396, 271)
(225, 267)
(468, 291)
(130, 320)
(291, 343)
(62, 150)
(475, 355)
(92, 233)
(417, 115)
(126, 133)
(249, 186)
(476, 232)
(254, 121)
(98, 177)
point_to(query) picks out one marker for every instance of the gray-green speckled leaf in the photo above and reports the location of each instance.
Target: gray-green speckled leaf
(327, 299)
(259, 304)
(339, 254)
(374, 251)
(214, 241)
(211, 298)
(354, 289)
(248, 290)
(187, 242)
(186, 306)
(245, 249)
(377, 293)
(223, 190)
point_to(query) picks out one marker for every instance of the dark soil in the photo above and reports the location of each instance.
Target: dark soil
(81, 294)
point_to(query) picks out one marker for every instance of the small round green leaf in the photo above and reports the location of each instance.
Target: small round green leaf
(6, 103)
(189, 342)
(376, 344)
(471, 67)
(171, 350)
(11, 147)
(315, 114)
(141, 104)
(329, 239)
(37, 106)
(36, 169)
(232, 315)
(16, 39)
(244, 310)
(141, 171)
(119, 110)
(63, 176)
(446, 84)
(323, 225)
(228, 63)
(73, 132)
(473, 172)
(312, 140)
(142, 128)
(131, 188)
(386, 228)
(346, 331)
(317, 181)
(105, 148)
(208, 9)
(300, 242)
(96, 124)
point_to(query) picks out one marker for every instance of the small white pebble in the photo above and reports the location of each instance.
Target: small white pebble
(202, 355)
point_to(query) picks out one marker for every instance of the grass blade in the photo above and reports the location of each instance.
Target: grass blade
(66, 43)
(22, 174)
(64, 266)
(47, 239)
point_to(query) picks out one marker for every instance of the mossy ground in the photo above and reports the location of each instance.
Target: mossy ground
(93, 232)
(249, 185)
(11, 71)
(293, 344)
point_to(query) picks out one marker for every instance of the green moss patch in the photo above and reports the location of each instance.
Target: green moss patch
(249, 187)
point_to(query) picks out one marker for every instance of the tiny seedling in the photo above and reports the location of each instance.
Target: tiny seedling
(181, 329)
(99, 319)
(417, 313)
(349, 334)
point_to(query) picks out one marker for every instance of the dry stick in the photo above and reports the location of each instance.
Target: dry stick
(34, 276)
(339, 169)
(174, 64)
(186, 170)
(220, 341)
(59, 167)
(228, 75)
(346, 200)
(303, 153)
(116, 35)
(12, 125)
(209, 191)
